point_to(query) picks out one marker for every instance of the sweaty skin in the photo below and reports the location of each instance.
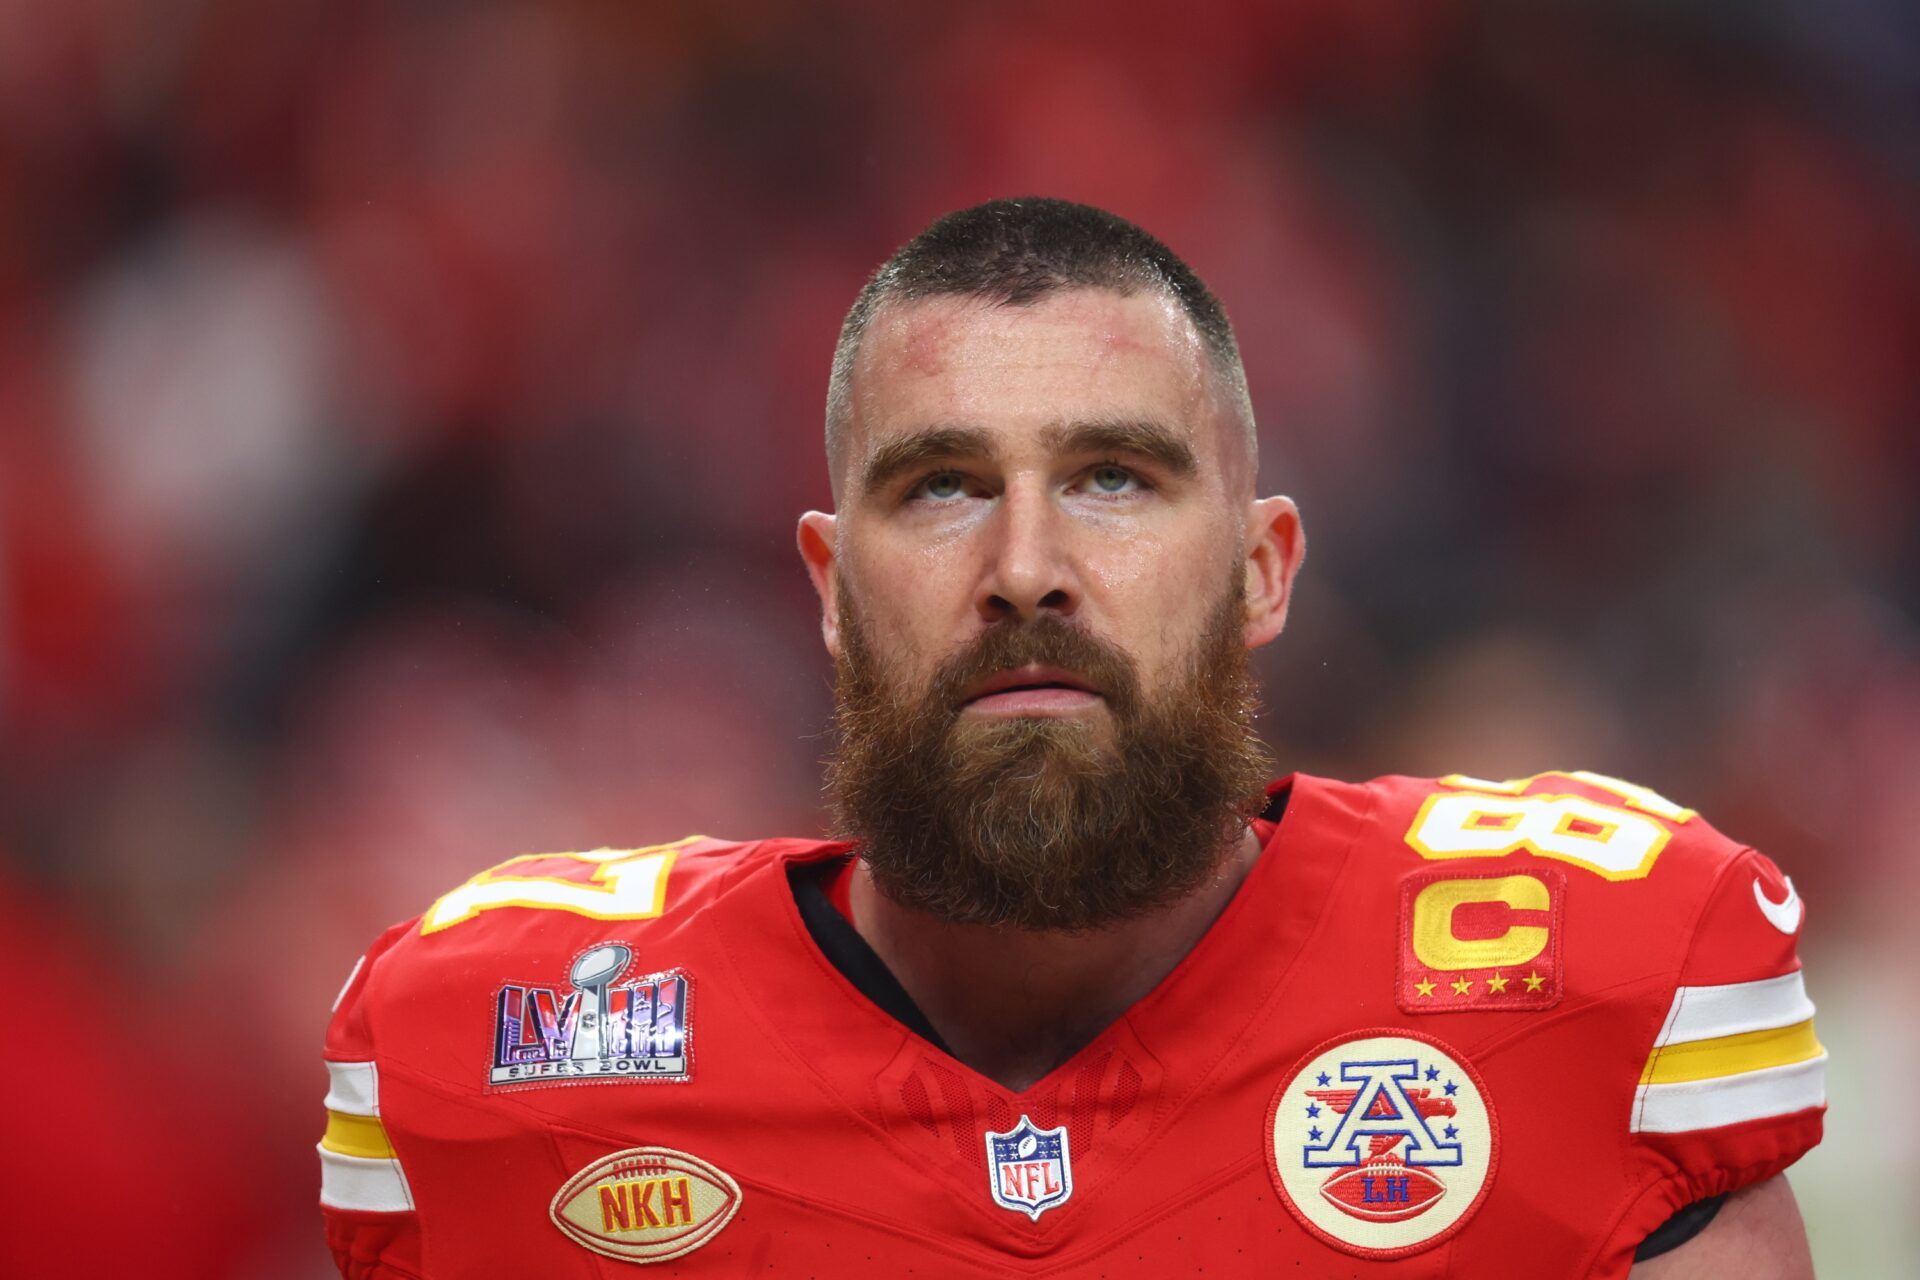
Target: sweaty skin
(1077, 456)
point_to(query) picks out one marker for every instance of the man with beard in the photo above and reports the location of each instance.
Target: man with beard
(1076, 994)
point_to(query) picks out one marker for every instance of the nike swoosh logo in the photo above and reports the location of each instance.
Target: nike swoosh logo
(1783, 915)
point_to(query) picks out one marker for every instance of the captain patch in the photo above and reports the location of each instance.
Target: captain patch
(1478, 940)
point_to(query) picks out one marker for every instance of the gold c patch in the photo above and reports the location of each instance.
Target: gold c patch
(645, 1204)
(1478, 940)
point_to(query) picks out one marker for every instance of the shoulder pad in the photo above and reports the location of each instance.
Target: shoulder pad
(1731, 1087)
(1611, 828)
(598, 884)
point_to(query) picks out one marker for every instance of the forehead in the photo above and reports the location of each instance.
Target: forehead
(1078, 354)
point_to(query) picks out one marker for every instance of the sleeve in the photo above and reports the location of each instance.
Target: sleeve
(368, 1207)
(1734, 1086)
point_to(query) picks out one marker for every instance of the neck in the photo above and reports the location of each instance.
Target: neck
(1013, 1004)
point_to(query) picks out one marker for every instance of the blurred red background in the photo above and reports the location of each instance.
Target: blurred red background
(404, 410)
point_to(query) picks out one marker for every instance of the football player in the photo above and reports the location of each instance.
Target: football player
(1080, 994)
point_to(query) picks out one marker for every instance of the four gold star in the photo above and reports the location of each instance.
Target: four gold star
(1496, 985)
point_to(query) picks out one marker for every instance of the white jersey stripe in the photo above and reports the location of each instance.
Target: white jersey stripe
(1706, 1013)
(1723, 1100)
(356, 1182)
(353, 1088)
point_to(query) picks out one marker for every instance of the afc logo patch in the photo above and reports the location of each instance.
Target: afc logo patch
(1475, 940)
(1382, 1143)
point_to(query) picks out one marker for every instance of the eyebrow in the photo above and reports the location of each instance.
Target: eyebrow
(1149, 440)
(908, 452)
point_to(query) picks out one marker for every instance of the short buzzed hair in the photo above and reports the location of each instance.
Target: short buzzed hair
(1014, 253)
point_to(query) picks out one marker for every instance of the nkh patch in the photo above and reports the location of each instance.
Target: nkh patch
(595, 1029)
(1029, 1168)
(1480, 940)
(645, 1204)
(1382, 1142)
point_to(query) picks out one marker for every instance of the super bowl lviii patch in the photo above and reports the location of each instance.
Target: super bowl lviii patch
(645, 1204)
(1029, 1168)
(1382, 1143)
(594, 1028)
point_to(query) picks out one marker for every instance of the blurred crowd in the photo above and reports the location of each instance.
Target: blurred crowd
(405, 407)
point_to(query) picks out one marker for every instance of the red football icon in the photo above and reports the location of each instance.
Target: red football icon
(1383, 1191)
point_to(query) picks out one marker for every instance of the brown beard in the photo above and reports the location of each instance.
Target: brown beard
(1040, 823)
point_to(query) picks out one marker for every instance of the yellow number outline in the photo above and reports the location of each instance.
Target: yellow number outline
(1645, 799)
(612, 868)
(1518, 840)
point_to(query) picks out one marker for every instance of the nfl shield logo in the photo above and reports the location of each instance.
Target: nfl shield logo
(1029, 1168)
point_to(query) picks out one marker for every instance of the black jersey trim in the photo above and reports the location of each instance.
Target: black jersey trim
(1687, 1222)
(848, 952)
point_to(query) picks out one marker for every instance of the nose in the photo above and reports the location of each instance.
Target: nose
(1030, 570)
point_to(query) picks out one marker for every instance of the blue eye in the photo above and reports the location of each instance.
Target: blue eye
(942, 486)
(1112, 479)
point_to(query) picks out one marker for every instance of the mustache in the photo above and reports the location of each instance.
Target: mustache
(1036, 823)
(1048, 641)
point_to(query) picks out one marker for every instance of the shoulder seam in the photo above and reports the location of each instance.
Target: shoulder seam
(1707, 900)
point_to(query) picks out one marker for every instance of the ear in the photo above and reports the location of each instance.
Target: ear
(1276, 545)
(816, 540)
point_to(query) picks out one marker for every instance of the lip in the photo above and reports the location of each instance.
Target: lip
(1033, 683)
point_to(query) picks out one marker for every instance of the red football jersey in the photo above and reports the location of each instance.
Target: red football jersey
(1453, 1027)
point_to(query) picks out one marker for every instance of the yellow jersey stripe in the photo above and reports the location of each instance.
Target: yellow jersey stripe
(1731, 1055)
(1692, 1105)
(362, 1136)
